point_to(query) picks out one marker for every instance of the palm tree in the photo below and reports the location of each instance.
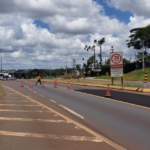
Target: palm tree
(99, 43)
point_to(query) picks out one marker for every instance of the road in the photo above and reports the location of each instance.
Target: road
(124, 124)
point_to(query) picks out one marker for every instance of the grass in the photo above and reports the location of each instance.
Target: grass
(96, 82)
(137, 75)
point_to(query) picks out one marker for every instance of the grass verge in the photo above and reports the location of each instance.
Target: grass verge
(96, 82)
(137, 75)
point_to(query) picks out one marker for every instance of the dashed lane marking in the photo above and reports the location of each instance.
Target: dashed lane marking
(42, 95)
(5, 100)
(19, 105)
(11, 110)
(39, 120)
(98, 136)
(104, 98)
(71, 111)
(52, 136)
(53, 101)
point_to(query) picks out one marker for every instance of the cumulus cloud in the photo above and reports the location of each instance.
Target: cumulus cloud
(137, 7)
(73, 24)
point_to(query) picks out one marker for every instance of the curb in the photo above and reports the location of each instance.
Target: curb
(105, 86)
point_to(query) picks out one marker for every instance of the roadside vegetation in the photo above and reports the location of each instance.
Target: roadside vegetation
(137, 75)
(96, 82)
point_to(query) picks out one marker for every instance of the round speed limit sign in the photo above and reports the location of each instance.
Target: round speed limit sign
(116, 58)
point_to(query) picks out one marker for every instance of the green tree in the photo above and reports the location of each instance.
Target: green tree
(139, 37)
(78, 67)
(88, 66)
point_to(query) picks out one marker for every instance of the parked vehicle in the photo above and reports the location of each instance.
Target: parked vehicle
(2, 77)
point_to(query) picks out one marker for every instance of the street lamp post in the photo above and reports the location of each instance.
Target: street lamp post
(143, 55)
(66, 67)
(50, 71)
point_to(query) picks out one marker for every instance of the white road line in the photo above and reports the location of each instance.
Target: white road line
(42, 95)
(28, 119)
(52, 101)
(18, 105)
(73, 112)
(98, 136)
(52, 136)
(10, 110)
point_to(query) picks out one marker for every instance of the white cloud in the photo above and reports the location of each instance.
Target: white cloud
(137, 7)
(73, 24)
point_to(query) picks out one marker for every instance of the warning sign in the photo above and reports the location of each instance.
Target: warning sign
(116, 64)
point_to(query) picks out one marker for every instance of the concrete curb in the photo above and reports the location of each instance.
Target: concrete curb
(105, 86)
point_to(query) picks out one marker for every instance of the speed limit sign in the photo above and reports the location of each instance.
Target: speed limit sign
(116, 64)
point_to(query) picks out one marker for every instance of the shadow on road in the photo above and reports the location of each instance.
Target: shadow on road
(138, 99)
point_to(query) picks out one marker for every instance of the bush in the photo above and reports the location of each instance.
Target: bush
(73, 75)
(126, 68)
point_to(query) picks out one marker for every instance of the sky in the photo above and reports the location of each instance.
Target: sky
(45, 34)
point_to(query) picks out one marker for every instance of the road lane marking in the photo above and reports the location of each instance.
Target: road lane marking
(28, 119)
(10, 110)
(105, 98)
(52, 136)
(53, 101)
(71, 111)
(19, 105)
(98, 136)
(42, 95)
(16, 101)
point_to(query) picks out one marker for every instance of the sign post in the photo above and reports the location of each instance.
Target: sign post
(116, 65)
(145, 79)
(130, 74)
(78, 73)
(107, 73)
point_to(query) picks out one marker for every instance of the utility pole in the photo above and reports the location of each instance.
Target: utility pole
(143, 55)
(50, 71)
(135, 61)
(1, 60)
(112, 49)
(66, 67)
(112, 80)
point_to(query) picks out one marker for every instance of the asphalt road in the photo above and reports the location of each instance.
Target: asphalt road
(26, 124)
(125, 124)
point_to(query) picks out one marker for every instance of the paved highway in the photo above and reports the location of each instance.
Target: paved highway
(122, 123)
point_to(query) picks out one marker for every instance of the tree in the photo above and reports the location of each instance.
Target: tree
(78, 67)
(89, 64)
(99, 43)
(87, 48)
(139, 37)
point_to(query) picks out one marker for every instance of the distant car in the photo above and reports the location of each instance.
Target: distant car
(2, 77)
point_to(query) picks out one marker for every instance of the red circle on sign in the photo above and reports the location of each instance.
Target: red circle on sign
(118, 61)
